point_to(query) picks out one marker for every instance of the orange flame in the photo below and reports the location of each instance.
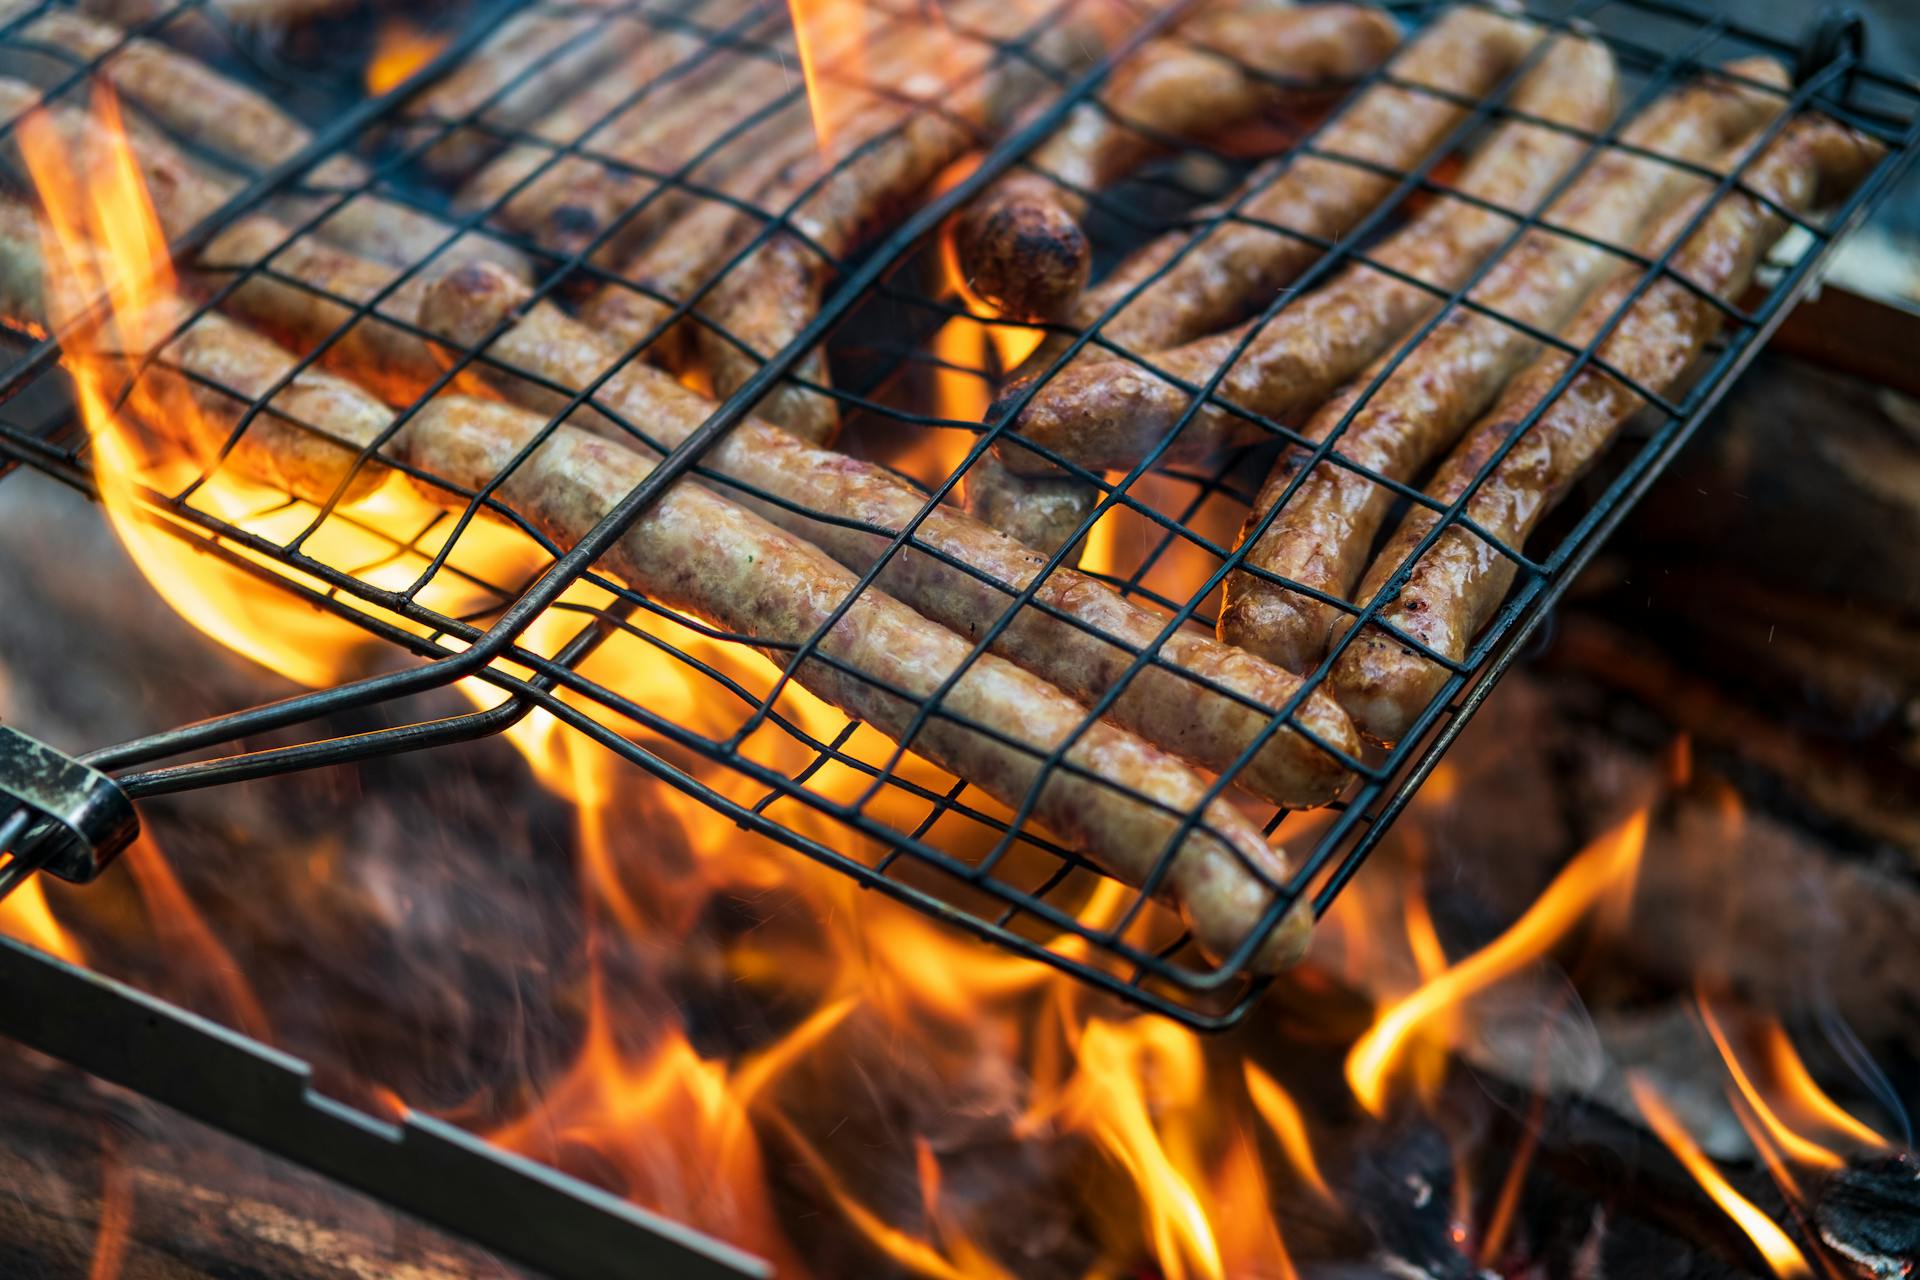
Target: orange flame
(102, 243)
(399, 50)
(1606, 867)
(972, 354)
(830, 32)
(1135, 1093)
(116, 1216)
(671, 1125)
(26, 917)
(1797, 1148)
(182, 931)
(1780, 1252)
(1277, 1108)
(1808, 1097)
(1431, 1051)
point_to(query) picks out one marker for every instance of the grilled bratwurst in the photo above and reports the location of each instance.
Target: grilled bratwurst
(1322, 536)
(1460, 580)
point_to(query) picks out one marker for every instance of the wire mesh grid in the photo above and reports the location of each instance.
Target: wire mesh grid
(692, 701)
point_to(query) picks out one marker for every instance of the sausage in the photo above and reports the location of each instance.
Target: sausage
(236, 121)
(681, 259)
(694, 551)
(580, 199)
(1237, 267)
(1041, 512)
(1020, 245)
(1322, 536)
(309, 291)
(531, 63)
(655, 111)
(1461, 579)
(305, 440)
(764, 302)
(1059, 638)
(1111, 413)
(1107, 413)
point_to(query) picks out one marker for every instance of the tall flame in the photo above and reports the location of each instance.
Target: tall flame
(1606, 867)
(104, 242)
(182, 932)
(972, 354)
(104, 246)
(1136, 1089)
(1289, 1128)
(831, 33)
(1797, 1148)
(1808, 1097)
(1782, 1255)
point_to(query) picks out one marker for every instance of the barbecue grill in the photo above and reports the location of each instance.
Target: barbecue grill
(957, 858)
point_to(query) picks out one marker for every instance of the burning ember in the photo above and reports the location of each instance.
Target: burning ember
(746, 1040)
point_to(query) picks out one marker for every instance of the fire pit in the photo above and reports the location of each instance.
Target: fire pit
(493, 385)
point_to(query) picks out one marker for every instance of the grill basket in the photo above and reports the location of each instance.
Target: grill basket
(754, 751)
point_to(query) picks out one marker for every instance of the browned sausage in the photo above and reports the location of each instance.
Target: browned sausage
(1322, 536)
(1461, 579)
(765, 301)
(239, 122)
(312, 287)
(305, 439)
(656, 110)
(1110, 413)
(1235, 269)
(683, 257)
(533, 62)
(581, 199)
(1020, 245)
(1060, 637)
(697, 552)
(1040, 512)
(1116, 410)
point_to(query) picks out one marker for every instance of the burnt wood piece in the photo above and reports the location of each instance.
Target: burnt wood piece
(185, 1202)
(1807, 480)
(1870, 788)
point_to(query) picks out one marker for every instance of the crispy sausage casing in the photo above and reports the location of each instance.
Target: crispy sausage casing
(695, 551)
(1058, 636)
(1020, 246)
(243, 124)
(766, 301)
(531, 63)
(1110, 413)
(1459, 582)
(197, 386)
(1236, 268)
(1322, 535)
(311, 289)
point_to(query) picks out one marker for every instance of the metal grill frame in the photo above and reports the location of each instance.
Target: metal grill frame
(1170, 979)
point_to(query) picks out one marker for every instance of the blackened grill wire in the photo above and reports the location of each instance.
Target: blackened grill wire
(1155, 978)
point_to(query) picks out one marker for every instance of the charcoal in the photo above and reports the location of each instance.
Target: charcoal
(1869, 1212)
